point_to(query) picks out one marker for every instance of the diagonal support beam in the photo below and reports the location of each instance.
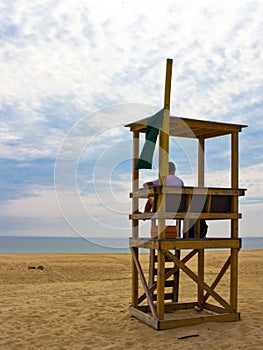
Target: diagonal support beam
(145, 287)
(219, 277)
(198, 280)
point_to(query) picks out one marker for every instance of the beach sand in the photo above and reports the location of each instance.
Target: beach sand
(81, 301)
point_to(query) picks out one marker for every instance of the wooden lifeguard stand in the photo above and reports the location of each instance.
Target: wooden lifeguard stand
(150, 301)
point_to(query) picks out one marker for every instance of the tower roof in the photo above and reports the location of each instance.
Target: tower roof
(192, 128)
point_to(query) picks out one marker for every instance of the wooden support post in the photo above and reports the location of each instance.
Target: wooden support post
(201, 254)
(201, 274)
(201, 162)
(135, 223)
(135, 284)
(234, 223)
(135, 182)
(234, 279)
(151, 267)
(144, 284)
(176, 279)
(234, 182)
(163, 172)
(186, 227)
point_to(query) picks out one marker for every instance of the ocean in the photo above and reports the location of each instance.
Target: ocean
(15, 245)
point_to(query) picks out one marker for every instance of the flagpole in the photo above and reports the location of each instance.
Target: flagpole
(163, 173)
(164, 140)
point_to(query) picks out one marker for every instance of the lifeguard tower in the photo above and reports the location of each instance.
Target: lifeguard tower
(156, 298)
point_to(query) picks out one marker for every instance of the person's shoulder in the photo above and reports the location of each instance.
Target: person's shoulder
(180, 180)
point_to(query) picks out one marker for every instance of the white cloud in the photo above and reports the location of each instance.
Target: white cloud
(42, 204)
(61, 61)
(91, 50)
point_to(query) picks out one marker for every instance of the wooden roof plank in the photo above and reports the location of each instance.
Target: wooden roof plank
(192, 128)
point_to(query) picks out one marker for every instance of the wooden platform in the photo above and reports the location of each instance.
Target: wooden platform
(209, 313)
(191, 313)
(181, 243)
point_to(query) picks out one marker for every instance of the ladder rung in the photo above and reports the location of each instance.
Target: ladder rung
(166, 270)
(167, 296)
(169, 283)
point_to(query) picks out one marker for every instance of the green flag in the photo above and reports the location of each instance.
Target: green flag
(152, 130)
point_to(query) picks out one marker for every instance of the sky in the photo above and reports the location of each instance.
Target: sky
(73, 73)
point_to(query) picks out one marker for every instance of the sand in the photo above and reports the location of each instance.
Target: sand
(80, 301)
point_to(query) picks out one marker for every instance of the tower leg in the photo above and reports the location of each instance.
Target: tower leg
(234, 279)
(160, 284)
(176, 279)
(201, 273)
(135, 288)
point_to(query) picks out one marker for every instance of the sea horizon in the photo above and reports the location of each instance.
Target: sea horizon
(59, 244)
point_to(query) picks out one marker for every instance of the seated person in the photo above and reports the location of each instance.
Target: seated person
(171, 180)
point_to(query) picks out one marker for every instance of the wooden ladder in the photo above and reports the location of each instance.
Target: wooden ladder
(172, 283)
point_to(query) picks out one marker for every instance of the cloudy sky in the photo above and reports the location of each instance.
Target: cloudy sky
(73, 73)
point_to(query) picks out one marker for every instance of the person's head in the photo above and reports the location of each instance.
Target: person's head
(171, 168)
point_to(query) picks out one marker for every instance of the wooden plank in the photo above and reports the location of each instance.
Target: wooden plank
(144, 284)
(192, 321)
(214, 308)
(180, 322)
(202, 243)
(144, 317)
(180, 243)
(179, 306)
(211, 125)
(172, 215)
(174, 306)
(208, 203)
(203, 191)
(145, 192)
(194, 277)
(150, 191)
(221, 316)
(167, 296)
(196, 133)
(169, 283)
(203, 125)
(166, 270)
